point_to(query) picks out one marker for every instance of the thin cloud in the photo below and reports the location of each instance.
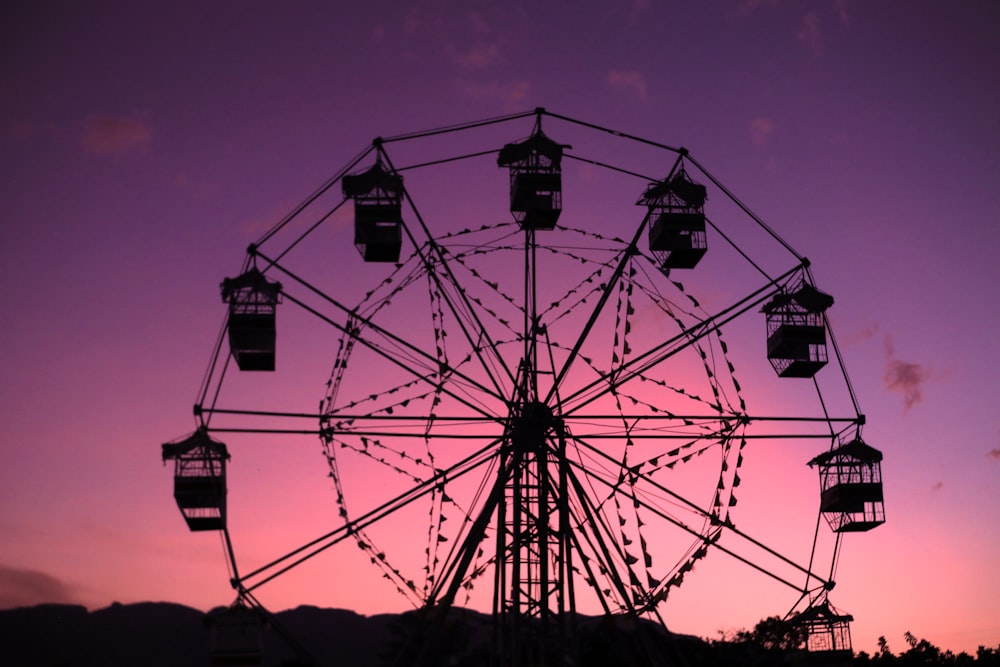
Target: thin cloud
(937, 486)
(840, 6)
(904, 377)
(19, 131)
(478, 23)
(512, 95)
(199, 189)
(479, 57)
(114, 135)
(860, 335)
(761, 130)
(811, 30)
(25, 132)
(907, 379)
(23, 588)
(628, 80)
(994, 453)
(413, 22)
(810, 33)
(636, 11)
(747, 7)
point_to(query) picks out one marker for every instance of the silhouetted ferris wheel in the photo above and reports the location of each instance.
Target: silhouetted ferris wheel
(537, 407)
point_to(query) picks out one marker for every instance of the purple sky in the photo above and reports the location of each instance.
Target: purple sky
(144, 145)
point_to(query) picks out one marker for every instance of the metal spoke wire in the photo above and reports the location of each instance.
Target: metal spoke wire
(545, 435)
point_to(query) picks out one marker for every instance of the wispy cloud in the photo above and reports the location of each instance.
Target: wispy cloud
(994, 453)
(636, 11)
(904, 377)
(630, 80)
(20, 131)
(840, 6)
(512, 95)
(761, 130)
(746, 7)
(810, 29)
(810, 33)
(478, 23)
(114, 135)
(414, 21)
(479, 56)
(22, 588)
(860, 335)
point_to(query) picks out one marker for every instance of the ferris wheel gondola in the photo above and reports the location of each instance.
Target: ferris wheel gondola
(549, 410)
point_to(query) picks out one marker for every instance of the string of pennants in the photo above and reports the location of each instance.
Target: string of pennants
(647, 586)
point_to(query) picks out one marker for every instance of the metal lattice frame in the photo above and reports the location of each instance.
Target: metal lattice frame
(541, 434)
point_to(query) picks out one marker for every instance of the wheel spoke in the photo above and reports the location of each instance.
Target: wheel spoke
(599, 398)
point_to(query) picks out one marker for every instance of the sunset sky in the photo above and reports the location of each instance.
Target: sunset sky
(145, 145)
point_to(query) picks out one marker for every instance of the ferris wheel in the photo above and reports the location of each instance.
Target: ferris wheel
(543, 411)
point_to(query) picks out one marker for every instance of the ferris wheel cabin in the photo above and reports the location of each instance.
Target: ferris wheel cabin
(535, 180)
(796, 331)
(677, 236)
(252, 301)
(851, 486)
(199, 480)
(378, 218)
(827, 633)
(236, 636)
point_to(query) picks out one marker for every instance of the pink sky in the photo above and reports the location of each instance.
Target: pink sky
(144, 148)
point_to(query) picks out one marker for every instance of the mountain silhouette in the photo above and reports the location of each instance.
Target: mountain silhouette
(160, 634)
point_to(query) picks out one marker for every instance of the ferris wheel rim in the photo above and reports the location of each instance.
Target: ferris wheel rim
(500, 409)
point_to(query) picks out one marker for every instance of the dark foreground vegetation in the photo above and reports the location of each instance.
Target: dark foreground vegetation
(771, 642)
(162, 635)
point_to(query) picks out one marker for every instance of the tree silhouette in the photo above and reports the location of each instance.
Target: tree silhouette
(922, 652)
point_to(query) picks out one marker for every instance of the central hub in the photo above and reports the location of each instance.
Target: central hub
(531, 427)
